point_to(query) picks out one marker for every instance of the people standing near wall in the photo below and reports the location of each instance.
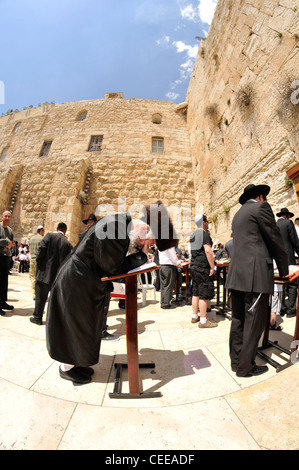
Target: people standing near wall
(291, 244)
(168, 274)
(6, 243)
(202, 272)
(257, 241)
(51, 253)
(34, 243)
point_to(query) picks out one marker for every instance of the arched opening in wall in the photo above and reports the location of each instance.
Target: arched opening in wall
(82, 115)
(15, 129)
(157, 118)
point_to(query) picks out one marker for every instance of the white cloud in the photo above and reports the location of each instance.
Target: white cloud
(182, 47)
(206, 10)
(189, 12)
(164, 41)
(172, 96)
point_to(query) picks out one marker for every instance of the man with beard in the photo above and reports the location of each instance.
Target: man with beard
(113, 245)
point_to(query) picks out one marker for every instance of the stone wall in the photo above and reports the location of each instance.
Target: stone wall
(124, 170)
(242, 121)
(241, 128)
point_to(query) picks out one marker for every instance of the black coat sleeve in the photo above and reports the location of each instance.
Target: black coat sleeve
(272, 238)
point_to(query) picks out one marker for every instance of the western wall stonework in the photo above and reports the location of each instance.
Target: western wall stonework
(243, 113)
(238, 125)
(46, 189)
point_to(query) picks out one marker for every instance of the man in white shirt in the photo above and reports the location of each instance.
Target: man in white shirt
(168, 264)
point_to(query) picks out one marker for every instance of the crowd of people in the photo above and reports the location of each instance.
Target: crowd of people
(79, 301)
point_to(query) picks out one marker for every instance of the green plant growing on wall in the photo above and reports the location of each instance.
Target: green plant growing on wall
(214, 218)
(288, 182)
(226, 209)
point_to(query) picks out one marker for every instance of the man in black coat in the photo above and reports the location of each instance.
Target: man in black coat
(6, 242)
(113, 245)
(291, 244)
(257, 241)
(52, 251)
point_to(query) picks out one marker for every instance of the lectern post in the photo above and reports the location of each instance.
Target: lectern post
(132, 364)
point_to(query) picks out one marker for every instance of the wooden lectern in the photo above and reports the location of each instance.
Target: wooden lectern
(132, 340)
(267, 343)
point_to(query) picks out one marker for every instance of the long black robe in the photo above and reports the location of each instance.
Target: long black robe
(76, 305)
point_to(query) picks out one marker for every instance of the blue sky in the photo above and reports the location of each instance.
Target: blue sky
(70, 50)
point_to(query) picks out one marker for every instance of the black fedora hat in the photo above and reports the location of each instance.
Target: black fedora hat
(252, 191)
(285, 211)
(90, 217)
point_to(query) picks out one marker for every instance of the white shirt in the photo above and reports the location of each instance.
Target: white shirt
(168, 257)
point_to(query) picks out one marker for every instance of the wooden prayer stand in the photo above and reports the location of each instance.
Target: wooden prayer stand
(132, 342)
(267, 343)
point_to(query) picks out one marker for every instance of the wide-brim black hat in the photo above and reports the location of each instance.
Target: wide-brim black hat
(285, 211)
(90, 217)
(157, 217)
(252, 191)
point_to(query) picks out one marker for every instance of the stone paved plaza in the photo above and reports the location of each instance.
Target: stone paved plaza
(203, 406)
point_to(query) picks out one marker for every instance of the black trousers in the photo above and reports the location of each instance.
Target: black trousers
(4, 269)
(41, 294)
(167, 283)
(289, 298)
(249, 314)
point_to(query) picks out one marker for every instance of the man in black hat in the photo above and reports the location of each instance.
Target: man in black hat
(89, 222)
(257, 241)
(52, 251)
(291, 244)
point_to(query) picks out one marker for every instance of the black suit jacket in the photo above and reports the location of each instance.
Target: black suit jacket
(51, 253)
(257, 241)
(290, 238)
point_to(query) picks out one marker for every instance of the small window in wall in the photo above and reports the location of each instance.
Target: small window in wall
(3, 154)
(156, 118)
(81, 116)
(45, 148)
(157, 145)
(15, 129)
(95, 144)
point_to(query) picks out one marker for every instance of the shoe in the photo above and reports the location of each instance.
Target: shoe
(275, 327)
(5, 306)
(109, 337)
(195, 320)
(168, 306)
(256, 370)
(37, 321)
(208, 324)
(2, 313)
(75, 376)
(84, 370)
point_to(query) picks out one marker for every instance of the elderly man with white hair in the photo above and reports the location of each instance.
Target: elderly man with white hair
(113, 245)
